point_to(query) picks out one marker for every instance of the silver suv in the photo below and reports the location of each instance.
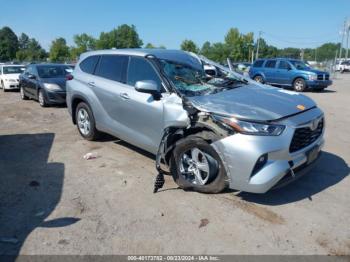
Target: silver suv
(209, 132)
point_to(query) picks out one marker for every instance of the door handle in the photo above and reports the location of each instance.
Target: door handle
(124, 96)
(91, 84)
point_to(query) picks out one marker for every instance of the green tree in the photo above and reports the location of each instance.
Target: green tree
(29, 49)
(124, 36)
(59, 51)
(83, 43)
(234, 42)
(8, 44)
(189, 45)
(149, 46)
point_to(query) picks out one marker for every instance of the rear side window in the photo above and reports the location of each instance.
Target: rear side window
(283, 65)
(270, 64)
(258, 63)
(112, 67)
(88, 65)
(139, 70)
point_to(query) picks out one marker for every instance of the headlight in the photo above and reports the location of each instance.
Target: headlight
(52, 87)
(252, 128)
(313, 77)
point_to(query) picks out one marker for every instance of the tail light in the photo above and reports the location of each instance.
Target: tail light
(69, 77)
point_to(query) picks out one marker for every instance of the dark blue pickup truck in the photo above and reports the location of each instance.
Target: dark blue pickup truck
(289, 73)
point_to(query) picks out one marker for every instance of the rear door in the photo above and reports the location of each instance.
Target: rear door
(284, 73)
(270, 71)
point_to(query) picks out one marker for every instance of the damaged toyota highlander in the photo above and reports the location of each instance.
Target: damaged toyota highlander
(208, 132)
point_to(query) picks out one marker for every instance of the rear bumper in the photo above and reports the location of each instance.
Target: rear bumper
(318, 83)
(240, 153)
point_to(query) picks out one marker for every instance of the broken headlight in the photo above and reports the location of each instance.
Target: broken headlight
(251, 128)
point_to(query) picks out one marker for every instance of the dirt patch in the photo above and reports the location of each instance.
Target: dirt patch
(340, 250)
(258, 211)
(204, 222)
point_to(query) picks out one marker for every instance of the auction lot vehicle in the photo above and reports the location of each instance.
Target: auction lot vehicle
(289, 73)
(45, 83)
(343, 66)
(9, 76)
(208, 132)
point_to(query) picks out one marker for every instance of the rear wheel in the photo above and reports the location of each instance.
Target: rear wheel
(299, 85)
(86, 122)
(259, 79)
(195, 165)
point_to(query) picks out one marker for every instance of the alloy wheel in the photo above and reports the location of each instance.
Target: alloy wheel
(84, 123)
(194, 166)
(299, 85)
(41, 99)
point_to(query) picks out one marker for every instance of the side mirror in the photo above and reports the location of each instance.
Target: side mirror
(30, 76)
(147, 86)
(289, 68)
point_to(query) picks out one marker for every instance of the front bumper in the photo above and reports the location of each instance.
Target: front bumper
(58, 97)
(11, 85)
(240, 153)
(318, 83)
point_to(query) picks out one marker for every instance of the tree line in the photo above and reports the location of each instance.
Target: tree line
(236, 46)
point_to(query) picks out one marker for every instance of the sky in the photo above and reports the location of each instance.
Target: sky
(284, 23)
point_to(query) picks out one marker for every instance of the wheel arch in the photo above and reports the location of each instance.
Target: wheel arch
(75, 102)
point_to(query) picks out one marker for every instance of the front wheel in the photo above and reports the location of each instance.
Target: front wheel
(3, 87)
(42, 99)
(23, 95)
(195, 165)
(299, 85)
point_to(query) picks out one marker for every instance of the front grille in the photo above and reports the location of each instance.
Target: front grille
(323, 77)
(305, 136)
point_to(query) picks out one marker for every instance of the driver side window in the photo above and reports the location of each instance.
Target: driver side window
(140, 69)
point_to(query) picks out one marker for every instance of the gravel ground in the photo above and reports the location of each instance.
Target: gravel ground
(52, 201)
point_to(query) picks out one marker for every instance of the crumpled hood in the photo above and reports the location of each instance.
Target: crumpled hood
(58, 81)
(253, 102)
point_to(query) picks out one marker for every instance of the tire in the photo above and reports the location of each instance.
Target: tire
(259, 79)
(299, 85)
(23, 95)
(86, 126)
(216, 178)
(3, 87)
(42, 99)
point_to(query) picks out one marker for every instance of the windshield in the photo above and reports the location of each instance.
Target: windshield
(53, 71)
(193, 81)
(300, 64)
(13, 69)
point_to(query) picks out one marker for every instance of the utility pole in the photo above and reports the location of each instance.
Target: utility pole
(347, 39)
(342, 40)
(258, 45)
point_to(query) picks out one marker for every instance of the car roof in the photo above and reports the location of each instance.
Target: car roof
(166, 54)
(49, 64)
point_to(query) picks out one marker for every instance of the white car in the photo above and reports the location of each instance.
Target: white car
(9, 76)
(343, 66)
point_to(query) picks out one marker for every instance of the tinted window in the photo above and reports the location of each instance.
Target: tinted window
(112, 67)
(13, 69)
(140, 69)
(53, 71)
(283, 65)
(270, 63)
(258, 63)
(89, 64)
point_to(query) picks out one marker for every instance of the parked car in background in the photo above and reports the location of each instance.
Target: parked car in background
(343, 66)
(289, 73)
(45, 83)
(209, 133)
(9, 76)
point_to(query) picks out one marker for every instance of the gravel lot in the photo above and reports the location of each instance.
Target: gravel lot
(52, 201)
